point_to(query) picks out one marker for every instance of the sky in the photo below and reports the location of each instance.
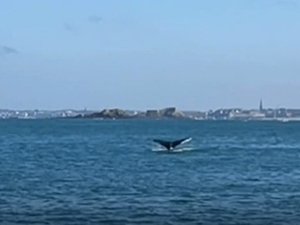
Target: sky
(144, 54)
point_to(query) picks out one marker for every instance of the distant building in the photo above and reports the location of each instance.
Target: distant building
(293, 112)
(221, 114)
(254, 114)
(239, 114)
(261, 107)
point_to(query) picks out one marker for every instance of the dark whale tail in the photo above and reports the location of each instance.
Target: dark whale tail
(172, 144)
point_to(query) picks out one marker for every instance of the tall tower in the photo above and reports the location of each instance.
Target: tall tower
(261, 107)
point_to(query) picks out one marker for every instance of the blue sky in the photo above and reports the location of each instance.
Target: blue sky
(139, 54)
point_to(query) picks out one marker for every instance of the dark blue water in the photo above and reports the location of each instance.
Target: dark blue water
(109, 172)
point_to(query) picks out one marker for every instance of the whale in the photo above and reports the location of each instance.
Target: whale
(170, 145)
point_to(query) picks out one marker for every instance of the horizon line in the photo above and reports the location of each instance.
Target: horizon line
(150, 108)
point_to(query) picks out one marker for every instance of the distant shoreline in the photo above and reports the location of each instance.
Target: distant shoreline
(231, 114)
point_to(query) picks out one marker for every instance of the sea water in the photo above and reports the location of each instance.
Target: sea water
(110, 172)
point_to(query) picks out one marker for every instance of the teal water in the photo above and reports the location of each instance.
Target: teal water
(110, 172)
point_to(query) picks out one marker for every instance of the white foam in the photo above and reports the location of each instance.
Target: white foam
(181, 149)
(159, 149)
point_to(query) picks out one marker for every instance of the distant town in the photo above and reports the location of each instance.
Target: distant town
(260, 114)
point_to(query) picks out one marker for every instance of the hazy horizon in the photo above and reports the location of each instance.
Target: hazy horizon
(141, 54)
(148, 108)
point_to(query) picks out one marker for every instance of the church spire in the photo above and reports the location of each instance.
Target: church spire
(261, 107)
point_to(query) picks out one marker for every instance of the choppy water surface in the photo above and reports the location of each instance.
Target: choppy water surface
(110, 172)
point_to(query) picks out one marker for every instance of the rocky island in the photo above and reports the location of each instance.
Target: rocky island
(116, 113)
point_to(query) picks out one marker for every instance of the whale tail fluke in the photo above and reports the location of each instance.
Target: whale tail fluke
(172, 144)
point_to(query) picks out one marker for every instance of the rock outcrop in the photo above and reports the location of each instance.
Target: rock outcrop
(151, 114)
(170, 113)
(110, 114)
